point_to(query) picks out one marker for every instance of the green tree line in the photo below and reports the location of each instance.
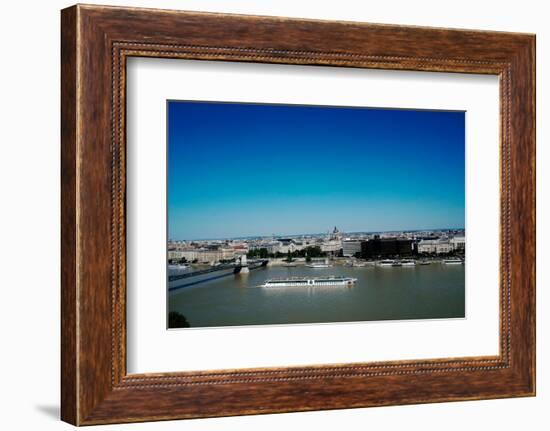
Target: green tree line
(308, 252)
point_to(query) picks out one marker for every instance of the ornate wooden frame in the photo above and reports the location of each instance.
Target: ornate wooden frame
(95, 43)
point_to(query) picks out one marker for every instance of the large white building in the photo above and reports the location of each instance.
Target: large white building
(331, 246)
(333, 242)
(458, 243)
(202, 255)
(287, 245)
(187, 254)
(435, 246)
(272, 247)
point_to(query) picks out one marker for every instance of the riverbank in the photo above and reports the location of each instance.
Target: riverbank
(343, 261)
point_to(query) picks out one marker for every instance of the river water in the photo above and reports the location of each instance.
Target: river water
(380, 293)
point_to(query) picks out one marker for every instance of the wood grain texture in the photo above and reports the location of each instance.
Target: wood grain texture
(69, 397)
(96, 41)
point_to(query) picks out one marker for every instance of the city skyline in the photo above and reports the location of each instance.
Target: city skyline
(249, 170)
(314, 234)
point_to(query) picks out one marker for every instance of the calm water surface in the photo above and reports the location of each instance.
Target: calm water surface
(387, 293)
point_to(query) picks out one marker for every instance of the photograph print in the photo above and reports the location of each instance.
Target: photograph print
(297, 214)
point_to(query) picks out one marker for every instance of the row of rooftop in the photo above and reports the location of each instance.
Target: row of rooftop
(333, 243)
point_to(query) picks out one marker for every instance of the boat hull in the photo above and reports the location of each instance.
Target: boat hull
(310, 282)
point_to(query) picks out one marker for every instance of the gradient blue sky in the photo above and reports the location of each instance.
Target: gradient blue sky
(248, 169)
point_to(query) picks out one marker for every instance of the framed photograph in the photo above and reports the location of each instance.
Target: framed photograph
(264, 215)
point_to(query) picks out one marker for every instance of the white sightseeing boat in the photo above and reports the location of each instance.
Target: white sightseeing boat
(324, 264)
(408, 263)
(177, 266)
(309, 281)
(453, 261)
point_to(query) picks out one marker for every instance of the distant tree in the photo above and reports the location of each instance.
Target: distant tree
(262, 253)
(315, 251)
(289, 256)
(177, 320)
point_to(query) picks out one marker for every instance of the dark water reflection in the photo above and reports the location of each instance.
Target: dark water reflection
(393, 293)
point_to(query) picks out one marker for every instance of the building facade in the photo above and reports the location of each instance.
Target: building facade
(458, 243)
(351, 247)
(387, 247)
(435, 246)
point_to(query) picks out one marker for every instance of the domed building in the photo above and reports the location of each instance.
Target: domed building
(333, 244)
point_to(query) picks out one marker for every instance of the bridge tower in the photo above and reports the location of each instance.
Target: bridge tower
(244, 265)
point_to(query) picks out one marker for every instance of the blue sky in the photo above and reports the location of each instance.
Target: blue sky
(249, 169)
